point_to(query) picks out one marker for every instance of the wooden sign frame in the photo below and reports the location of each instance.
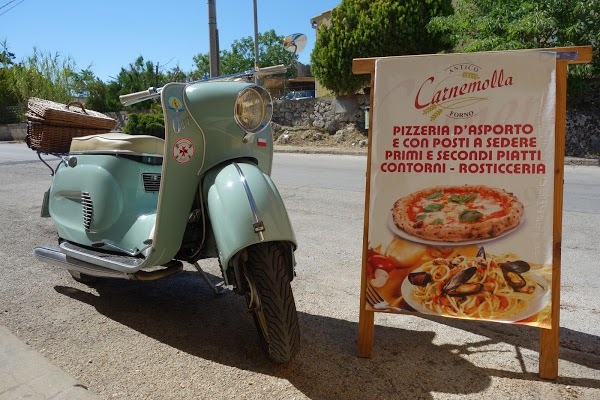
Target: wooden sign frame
(549, 338)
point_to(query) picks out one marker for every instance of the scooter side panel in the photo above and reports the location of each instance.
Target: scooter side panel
(231, 213)
(107, 191)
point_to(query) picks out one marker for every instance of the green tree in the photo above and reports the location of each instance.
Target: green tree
(82, 81)
(6, 57)
(202, 70)
(140, 75)
(370, 28)
(145, 124)
(483, 25)
(8, 98)
(240, 57)
(45, 75)
(102, 96)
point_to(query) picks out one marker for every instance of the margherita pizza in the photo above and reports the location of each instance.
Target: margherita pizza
(457, 213)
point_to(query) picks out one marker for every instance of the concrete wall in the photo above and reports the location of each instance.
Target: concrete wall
(13, 132)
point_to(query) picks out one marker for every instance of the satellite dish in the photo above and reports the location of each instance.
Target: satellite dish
(295, 43)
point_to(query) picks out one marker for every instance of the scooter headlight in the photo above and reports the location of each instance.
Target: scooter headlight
(253, 109)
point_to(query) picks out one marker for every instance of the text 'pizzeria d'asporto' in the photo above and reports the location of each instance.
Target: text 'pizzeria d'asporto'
(476, 137)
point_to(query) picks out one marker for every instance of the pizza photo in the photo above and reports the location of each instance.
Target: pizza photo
(457, 214)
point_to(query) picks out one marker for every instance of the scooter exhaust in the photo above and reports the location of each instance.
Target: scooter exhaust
(53, 256)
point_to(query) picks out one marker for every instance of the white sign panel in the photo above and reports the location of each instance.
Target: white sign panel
(461, 186)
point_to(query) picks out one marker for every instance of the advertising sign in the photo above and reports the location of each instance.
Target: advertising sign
(461, 186)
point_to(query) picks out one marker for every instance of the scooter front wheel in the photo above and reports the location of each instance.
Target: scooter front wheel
(271, 301)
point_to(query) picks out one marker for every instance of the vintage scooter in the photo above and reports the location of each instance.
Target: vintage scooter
(136, 207)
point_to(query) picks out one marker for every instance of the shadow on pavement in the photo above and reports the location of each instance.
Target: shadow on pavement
(185, 315)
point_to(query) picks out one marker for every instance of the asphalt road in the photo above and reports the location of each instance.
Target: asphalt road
(171, 339)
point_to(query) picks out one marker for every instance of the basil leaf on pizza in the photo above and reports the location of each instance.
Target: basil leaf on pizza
(435, 195)
(457, 213)
(469, 216)
(462, 199)
(433, 207)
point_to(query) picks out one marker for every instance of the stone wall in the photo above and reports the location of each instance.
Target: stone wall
(331, 114)
(583, 134)
(325, 113)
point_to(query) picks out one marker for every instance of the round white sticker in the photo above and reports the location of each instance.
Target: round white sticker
(183, 150)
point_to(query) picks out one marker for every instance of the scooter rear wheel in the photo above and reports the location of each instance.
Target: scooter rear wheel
(270, 298)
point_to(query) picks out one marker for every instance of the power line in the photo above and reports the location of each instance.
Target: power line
(12, 1)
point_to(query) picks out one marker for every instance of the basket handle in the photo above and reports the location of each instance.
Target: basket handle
(76, 103)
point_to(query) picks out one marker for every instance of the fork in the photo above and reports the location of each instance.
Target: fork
(376, 301)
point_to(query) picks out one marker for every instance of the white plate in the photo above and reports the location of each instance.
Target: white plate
(405, 235)
(538, 301)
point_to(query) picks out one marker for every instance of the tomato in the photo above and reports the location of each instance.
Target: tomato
(377, 261)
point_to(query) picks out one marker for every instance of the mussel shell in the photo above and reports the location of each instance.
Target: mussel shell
(514, 279)
(419, 278)
(481, 253)
(518, 266)
(459, 278)
(466, 289)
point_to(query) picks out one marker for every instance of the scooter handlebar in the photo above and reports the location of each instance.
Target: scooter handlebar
(137, 97)
(272, 70)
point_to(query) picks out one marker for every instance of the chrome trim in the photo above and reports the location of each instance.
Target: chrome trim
(132, 253)
(258, 225)
(87, 206)
(115, 153)
(151, 181)
(113, 262)
(53, 256)
(267, 108)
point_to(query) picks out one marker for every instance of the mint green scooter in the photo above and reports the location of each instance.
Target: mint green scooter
(136, 207)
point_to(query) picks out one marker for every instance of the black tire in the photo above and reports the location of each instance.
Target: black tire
(83, 278)
(273, 308)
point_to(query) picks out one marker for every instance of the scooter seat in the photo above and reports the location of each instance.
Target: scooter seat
(117, 142)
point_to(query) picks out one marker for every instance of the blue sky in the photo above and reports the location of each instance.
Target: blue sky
(110, 34)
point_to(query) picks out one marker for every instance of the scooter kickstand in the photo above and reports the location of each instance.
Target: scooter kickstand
(217, 290)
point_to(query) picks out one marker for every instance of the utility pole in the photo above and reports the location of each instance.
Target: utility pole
(213, 35)
(255, 42)
(255, 37)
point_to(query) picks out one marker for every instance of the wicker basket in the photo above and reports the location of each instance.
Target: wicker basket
(51, 125)
(55, 139)
(72, 114)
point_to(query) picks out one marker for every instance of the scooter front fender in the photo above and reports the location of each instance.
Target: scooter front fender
(244, 208)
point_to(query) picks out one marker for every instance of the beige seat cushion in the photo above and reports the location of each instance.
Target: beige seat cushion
(117, 142)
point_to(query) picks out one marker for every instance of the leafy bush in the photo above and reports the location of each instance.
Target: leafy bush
(484, 25)
(373, 28)
(145, 124)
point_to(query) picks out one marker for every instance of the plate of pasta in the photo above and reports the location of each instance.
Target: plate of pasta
(500, 288)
